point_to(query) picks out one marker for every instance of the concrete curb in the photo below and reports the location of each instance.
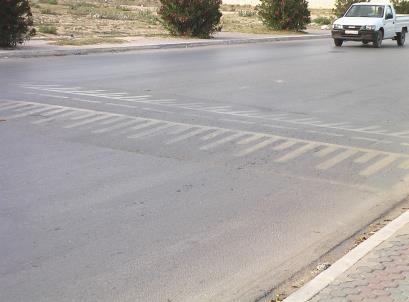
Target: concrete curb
(321, 281)
(84, 51)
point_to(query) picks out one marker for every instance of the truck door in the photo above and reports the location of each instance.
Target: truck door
(389, 24)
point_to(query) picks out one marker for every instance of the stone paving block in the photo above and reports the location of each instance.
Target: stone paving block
(354, 298)
(381, 276)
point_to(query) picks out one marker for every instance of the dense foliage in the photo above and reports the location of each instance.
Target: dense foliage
(341, 6)
(401, 7)
(197, 18)
(284, 14)
(16, 22)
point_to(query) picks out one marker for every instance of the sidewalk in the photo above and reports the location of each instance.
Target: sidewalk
(39, 48)
(377, 270)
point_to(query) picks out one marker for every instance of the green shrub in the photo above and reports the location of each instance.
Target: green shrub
(47, 11)
(197, 18)
(247, 13)
(401, 7)
(341, 6)
(323, 20)
(16, 22)
(284, 14)
(47, 29)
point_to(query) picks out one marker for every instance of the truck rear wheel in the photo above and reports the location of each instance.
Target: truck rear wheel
(338, 42)
(400, 39)
(379, 38)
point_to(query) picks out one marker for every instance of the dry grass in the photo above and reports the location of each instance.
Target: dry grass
(87, 41)
(90, 21)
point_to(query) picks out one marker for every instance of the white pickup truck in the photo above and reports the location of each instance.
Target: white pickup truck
(370, 22)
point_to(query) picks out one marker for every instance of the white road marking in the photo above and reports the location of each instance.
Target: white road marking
(214, 134)
(55, 117)
(296, 153)
(371, 140)
(188, 135)
(366, 157)
(152, 131)
(379, 165)
(38, 110)
(250, 139)
(86, 101)
(84, 115)
(222, 141)
(257, 147)
(116, 126)
(89, 121)
(402, 133)
(13, 106)
(285, 145)
(120, 105)
(146, 124)
(336, 159)
(304, 147)
(327, 150)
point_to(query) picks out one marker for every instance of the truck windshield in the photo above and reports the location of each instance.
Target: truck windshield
(370, 11)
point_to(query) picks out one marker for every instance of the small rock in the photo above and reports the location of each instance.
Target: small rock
(323, 266)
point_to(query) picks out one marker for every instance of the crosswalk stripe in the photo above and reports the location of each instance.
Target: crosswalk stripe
(296, 153)
(326, 151)
(257, 147)
(366, 157)
(214, 134)
(284, 145)
(12, 106)
(27, 107)
(116, 126)
(152, 131)
(188, 135)
(83, 115)
(146, 124)
(336, 159)
(55, 117)
(250, 139)
(222, 141)
(38, 110)
(379, 165)
(86, 122)
(54, 111)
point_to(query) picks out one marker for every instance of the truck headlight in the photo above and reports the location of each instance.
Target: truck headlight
(337, 26)
(369, 27)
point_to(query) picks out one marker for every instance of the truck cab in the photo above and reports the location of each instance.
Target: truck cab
(370, 22)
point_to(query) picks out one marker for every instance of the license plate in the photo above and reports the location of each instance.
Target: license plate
(351, 32)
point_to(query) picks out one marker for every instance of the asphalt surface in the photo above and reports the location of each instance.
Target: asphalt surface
(208, 174)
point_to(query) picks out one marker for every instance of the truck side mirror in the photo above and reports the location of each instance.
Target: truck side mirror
(389, 16)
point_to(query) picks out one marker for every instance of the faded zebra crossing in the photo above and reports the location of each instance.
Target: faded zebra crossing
(208, 138)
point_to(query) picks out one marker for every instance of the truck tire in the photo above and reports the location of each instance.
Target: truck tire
(379, 38)
(338, 42)
(400, 39)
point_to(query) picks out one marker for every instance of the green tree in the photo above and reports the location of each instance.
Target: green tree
(284, 14)
(16, 22)
(341, 6)
(197, 18)
(401, 6)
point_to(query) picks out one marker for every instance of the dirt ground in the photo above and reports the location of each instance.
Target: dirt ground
(79, 22)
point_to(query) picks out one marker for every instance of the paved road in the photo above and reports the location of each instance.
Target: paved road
(206, 174)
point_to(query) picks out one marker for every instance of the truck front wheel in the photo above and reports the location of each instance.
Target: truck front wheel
(338, 42)
(379, 38)
(400, 39)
